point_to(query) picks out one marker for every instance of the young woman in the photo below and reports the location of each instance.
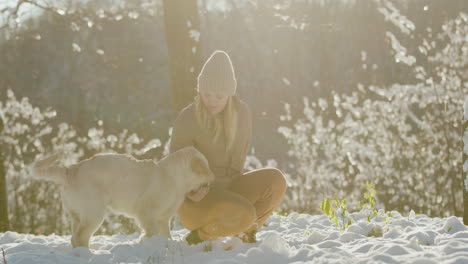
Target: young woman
(219, 125)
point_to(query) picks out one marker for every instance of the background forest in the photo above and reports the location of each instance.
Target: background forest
(341, 92)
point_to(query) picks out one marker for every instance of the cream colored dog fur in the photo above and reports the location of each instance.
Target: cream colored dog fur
(142, 189)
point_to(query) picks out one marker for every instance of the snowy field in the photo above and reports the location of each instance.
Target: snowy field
(296, 238)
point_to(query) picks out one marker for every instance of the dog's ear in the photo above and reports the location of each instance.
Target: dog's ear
(199, 166)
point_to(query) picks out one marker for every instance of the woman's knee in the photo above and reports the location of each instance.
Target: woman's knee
(248, 219)
(277, 179)
(187, 218)
(237, 213)
(250, 216)
(241, 206)
(230, 211)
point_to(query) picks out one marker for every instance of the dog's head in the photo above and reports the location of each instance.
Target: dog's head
(199, 168)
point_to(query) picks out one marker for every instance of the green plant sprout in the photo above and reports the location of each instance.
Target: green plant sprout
(369, 198)
(336, 209)
(340, 206)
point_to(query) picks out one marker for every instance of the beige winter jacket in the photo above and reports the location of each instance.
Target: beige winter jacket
(225, 165)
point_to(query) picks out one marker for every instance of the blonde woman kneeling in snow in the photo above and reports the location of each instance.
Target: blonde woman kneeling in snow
(219, 125)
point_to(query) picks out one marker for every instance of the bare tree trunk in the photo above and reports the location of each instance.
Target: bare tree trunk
(182, 24)
(465, 163)
(4, 223)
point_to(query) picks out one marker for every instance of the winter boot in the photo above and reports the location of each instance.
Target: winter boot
(248, 237)
(193, 238)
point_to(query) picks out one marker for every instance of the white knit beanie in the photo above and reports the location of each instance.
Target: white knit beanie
(217, 75)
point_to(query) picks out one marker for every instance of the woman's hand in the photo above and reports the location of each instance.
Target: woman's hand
(198, 194)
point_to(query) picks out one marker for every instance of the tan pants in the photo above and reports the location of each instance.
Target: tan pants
(244, 206)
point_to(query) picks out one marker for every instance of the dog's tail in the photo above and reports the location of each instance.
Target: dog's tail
(44, 169)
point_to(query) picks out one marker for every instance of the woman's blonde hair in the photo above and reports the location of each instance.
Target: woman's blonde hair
(225, 123)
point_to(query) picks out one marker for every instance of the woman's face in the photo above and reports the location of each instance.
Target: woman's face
(214, 102)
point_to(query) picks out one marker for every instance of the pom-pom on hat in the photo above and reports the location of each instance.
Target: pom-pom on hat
(217, 75)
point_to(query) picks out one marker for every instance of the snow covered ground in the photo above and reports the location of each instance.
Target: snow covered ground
(296, 238)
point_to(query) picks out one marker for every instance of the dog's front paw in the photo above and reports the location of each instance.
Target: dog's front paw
(144, 239)
(81, 252)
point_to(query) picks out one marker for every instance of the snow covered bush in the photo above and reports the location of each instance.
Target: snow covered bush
(405, 138)
(30, 133)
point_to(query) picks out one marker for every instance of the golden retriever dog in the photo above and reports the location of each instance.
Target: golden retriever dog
(148, 191)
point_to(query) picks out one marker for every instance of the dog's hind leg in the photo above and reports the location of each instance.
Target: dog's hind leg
(75, 224)
(85, 229)
(149, 224)
(163, 224)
